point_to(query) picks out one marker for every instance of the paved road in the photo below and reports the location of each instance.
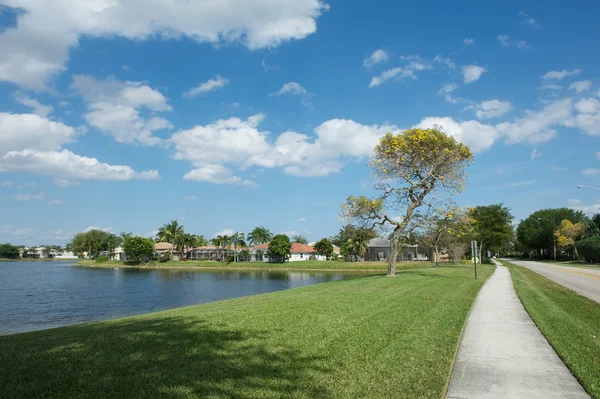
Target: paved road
(502, 354)
(585, 282)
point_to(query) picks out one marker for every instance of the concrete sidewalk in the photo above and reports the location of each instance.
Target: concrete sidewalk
(502, 353)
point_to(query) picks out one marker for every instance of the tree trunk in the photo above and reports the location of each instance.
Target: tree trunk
(436, 254)
(393, 256)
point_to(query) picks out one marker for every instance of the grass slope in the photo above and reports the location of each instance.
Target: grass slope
(304, 265)
(570, 322)
(372, 337)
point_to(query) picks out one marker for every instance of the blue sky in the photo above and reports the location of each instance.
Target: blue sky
(123, 115)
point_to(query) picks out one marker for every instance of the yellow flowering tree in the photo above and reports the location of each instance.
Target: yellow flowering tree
(411, 169)
(567, 233)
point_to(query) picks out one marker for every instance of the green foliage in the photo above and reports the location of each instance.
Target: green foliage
(351, 238)
(102, 259)
(201, 241)
(536, 233)
(93, 242)
(9, 251)
(138, 249)
(164, 258)
(280, 248)
(324, 247)
(589, 248)
(492, 226)
(260, 235)
(244, 255)
(299, 239)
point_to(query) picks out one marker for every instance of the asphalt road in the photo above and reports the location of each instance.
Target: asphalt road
(585, 282)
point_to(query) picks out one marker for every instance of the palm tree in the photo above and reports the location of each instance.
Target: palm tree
(238, 240)
(170, 232)
(359, 244)
(298, 239)
(201, 241)
(184, 242)
(260, 235)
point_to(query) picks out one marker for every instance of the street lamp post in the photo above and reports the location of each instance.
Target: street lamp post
(592, 187)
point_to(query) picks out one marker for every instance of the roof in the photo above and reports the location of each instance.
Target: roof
(296, 248)
(163, 246)
(379, 243)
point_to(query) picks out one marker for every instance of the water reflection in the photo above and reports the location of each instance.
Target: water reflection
(39, 295)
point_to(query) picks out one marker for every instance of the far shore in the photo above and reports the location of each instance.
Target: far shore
(326, 266)
(37, 260)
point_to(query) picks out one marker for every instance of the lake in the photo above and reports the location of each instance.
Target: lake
(40, 295)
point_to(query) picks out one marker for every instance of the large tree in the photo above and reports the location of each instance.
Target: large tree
(170, 232)
(324, 247)
(535, 234)
(492, 227)
(260, 235)
(138, 249)
(280, 248)
(411, 169)
(92, 242)
(9, 251)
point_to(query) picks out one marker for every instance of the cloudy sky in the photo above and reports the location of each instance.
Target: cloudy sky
(124, 114)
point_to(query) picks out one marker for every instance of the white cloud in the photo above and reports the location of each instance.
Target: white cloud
(514, 184)
(292, 88)
(590, 172)
(269, 67)
(588, 209)
(492, 109)
(504, 40)
(6, 183)
(536, 127)
(391, 73)
(377, 57)
(190, 197)
(522, 45)
(447, 90)
(217, 82)
(535, 154)
(598, 155)
(29, 197)
(64, 183)
(21, 131)
(477, 136)
(559, 75)
(105, 229)
(55, 202)
(226, 232)
(63, 103)
(449, 63)
(301, 220)
(67, 165)
(550, 86)
(115, 108)
(531, 22)
(217, 174)
(472, 73)
(580, 86)
(588, 105)
(38, 108)
(588, 118)
(28, 184)
(215, 148)
(38, 47)
(469, 42)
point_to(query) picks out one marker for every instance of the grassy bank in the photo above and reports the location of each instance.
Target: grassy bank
(373, 337)
(305, 265)
(570, 322)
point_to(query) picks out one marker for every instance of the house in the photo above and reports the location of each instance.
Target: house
(299, 252)
(258, 253)
(43, 253)
(379, 250)
(161, 248)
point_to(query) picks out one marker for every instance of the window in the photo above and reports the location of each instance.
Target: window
(301, 256)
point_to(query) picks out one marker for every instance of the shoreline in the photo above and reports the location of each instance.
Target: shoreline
(360, 267)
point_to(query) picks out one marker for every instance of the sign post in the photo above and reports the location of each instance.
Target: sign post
(474, 255)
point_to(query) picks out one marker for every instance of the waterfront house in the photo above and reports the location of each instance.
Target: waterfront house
(379, 250)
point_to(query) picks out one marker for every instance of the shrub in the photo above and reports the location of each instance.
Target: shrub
(102, 259)
(164, 258)
(589, 248)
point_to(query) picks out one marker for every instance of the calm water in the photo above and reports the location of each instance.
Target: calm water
(39, 295)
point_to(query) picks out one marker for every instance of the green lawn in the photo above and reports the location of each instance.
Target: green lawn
(305, 265)
(570, 322)
(370, 337)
